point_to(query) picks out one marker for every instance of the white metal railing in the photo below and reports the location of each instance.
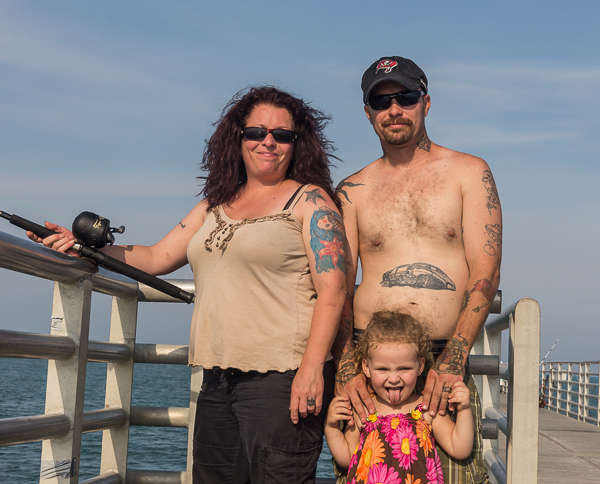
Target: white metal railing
(520, 423)
(67, 350)
(571, 388)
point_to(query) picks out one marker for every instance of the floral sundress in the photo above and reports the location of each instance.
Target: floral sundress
(396, 449)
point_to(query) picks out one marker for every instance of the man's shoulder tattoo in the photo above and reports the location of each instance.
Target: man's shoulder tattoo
(493, 201)
(341, 188)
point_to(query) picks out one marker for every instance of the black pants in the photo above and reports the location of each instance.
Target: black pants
(244, 433)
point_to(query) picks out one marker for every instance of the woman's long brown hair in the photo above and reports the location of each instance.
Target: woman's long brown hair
(222, 159)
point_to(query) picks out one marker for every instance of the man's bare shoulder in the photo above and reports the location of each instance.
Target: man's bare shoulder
(350, 186)
(458, 158)
(467, 168)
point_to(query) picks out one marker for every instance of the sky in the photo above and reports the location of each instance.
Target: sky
(105, 106)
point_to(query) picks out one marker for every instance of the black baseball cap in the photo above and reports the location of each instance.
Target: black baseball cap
(394, 68)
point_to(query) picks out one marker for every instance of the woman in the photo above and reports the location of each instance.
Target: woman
(266, 240)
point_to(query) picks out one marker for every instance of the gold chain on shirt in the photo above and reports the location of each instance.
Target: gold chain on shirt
(223, 228)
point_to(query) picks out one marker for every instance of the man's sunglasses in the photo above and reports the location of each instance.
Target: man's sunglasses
(279, 135)
(384, 101)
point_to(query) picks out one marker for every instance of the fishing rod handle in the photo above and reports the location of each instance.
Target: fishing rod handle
(25, 224)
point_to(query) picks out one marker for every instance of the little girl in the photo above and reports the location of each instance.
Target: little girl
(396, 444)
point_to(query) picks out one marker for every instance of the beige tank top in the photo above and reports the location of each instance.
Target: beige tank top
(254, 292)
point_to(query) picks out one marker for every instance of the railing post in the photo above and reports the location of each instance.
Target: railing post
(564, 387)
(119, 382)
(580, 387)
(524, 351)
(554, 382)
(196, 385)
(65, 387)
(584, 390)
(588, 394)
(491, 342)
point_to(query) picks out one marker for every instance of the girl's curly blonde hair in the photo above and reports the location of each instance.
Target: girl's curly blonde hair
(389, 327)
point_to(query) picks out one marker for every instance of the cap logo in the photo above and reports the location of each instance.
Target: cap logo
(388, 65)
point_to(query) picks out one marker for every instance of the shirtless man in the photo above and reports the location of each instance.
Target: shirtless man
(427, 224)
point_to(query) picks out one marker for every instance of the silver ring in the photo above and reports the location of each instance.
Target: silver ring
(311, 402)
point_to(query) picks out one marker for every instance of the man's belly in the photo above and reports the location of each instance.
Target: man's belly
(425, 291)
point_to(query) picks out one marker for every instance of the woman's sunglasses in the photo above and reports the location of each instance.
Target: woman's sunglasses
(279, 135)
(384, 101)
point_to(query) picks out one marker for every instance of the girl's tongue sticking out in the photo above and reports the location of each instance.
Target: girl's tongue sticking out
(394, 395)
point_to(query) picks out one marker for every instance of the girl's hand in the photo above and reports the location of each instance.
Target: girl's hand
(307, 391)
(460, 396)
(62, 241)
(339, 409)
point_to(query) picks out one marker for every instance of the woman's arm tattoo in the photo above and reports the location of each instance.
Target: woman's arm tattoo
(328, 240)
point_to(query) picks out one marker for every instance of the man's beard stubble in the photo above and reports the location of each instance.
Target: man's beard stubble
(397, 136)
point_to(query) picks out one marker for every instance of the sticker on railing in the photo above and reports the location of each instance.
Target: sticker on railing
(61, 468)
(56, 324)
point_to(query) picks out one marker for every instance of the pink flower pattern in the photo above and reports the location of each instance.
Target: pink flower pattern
(404, 452)
(354, 459)
(432, 471)
(373, 421)
(382, 474)
(405, 447)
(390, 425)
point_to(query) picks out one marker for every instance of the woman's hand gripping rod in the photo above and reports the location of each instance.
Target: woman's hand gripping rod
(105, 260)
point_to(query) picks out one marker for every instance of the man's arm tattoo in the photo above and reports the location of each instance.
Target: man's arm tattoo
(313, 196)
(182, 226)
(493, 200)
(452, 359)
(494, 238)
(424, 143)
(346, 369)
(465, 301)
(486, 288)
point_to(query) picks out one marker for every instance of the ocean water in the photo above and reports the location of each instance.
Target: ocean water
(23, 391)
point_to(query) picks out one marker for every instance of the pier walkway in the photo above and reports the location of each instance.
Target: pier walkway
(569, 450)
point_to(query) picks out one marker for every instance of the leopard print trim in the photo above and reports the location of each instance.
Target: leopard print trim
(229, 229)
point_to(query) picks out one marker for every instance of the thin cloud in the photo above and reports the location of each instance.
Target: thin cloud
(480, 135)
(80, 186)
(511, 72)
(49, 49)
(516, 87)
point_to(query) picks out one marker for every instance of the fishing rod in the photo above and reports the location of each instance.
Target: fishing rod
(93, 232)
(544, 358)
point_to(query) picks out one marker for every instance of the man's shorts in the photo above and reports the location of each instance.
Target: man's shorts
(472, 470)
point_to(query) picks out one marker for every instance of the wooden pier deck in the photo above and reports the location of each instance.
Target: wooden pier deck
(569, 450)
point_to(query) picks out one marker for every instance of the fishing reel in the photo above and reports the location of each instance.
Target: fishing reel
(94, 231)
